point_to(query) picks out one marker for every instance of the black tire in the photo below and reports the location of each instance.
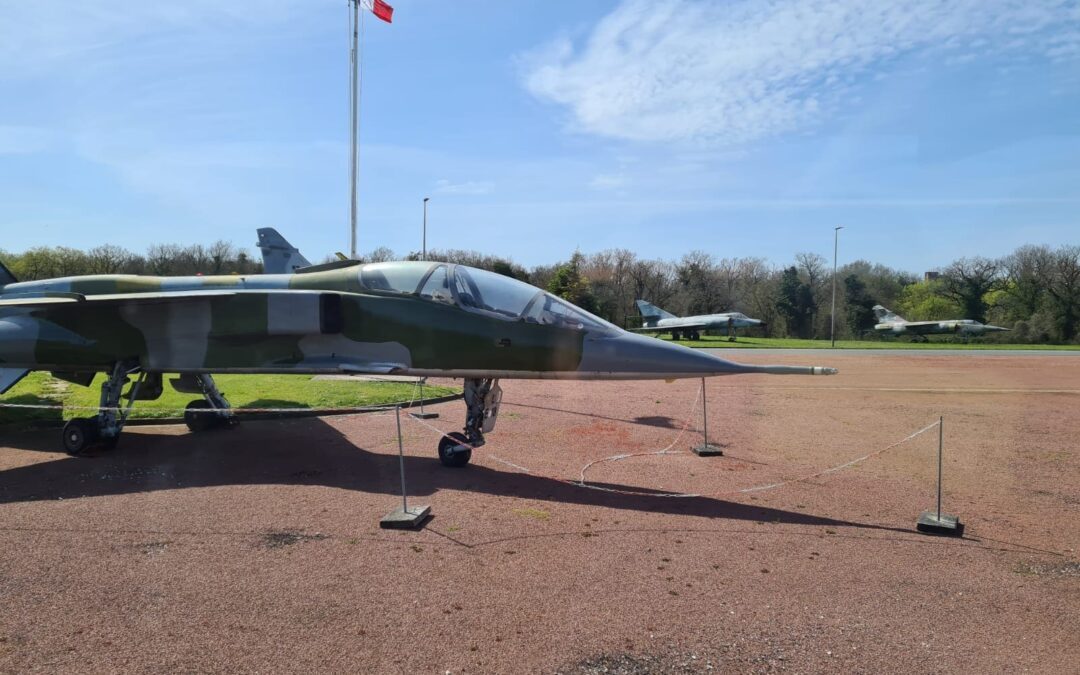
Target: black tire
(674, 336)
(80, 435)
(695, 335)
(454, 460)
(199, 421)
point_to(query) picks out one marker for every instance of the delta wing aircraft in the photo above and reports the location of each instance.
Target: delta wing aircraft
(659, 321)
(893, 324)
(422, 319)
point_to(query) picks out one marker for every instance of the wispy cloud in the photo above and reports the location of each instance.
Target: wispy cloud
(745, 70)
(470, 187)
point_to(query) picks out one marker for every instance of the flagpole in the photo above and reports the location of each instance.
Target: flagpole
(353, 155)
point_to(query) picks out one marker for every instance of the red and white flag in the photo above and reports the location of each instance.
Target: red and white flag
(381, 10)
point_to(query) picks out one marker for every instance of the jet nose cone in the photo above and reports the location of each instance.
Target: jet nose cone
(639, 357)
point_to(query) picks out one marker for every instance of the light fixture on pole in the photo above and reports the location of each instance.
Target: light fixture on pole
(836, 241)
(423, 250)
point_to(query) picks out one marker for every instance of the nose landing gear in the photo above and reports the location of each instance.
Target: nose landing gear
(482, 399)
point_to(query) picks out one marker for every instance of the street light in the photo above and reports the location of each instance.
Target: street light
(836, 240)
(423, 253)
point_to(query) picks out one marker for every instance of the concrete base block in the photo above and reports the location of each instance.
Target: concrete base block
(708, 450)
(400, 519)
(948, 525)
(424, 415)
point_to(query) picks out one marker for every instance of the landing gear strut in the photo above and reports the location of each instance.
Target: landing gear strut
(82, 434)
(482, 399)
(212, 411)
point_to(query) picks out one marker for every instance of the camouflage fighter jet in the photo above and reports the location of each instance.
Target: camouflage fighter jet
(421, 319)
(893, 324)
(659, 321)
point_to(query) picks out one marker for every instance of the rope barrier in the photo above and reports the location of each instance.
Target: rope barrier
(582, 482)
(384, 407)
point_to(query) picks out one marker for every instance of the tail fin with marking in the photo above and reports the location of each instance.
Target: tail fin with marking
(887, 316)
(651, 313)
(279, 256)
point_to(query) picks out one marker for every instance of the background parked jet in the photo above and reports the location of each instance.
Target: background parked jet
(894, 324)
(279, 256)
(659, 321)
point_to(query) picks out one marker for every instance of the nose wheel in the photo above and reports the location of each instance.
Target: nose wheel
(482, 400)
(452, 451)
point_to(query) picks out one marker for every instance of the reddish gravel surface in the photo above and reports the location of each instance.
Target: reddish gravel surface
(258, 549)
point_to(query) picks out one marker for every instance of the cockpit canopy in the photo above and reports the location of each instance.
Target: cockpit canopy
(478, 291)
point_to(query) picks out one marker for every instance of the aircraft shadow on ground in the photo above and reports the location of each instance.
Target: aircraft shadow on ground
(311, 452)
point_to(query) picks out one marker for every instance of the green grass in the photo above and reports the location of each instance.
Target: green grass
(946, 342)
(243, 391)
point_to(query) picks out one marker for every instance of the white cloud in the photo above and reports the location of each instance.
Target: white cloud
(445, 187)
(744, 70)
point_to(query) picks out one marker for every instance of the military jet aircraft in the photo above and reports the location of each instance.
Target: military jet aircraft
(423, 319)
(893, 324)
(279, 256)
(659, 321)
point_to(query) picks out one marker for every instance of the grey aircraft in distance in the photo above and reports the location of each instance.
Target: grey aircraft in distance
(279, 256)
(894, 324)
(659, 321)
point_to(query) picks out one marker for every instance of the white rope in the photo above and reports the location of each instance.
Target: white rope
(383, 407)
(583, 483)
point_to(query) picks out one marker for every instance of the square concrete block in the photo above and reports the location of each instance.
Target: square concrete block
(947, 525)
(400, 519)
(708, 450)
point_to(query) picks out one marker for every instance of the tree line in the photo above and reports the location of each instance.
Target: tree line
(1035, 290)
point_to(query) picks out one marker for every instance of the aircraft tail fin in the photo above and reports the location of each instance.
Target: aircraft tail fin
(9, 377)
(886, 316)
(651, 312)
(279, 256)
(6, 277)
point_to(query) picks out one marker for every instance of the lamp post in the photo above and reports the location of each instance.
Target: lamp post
(423, 251)
(836, 242)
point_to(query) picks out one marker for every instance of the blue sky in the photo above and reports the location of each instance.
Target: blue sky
(930, 130)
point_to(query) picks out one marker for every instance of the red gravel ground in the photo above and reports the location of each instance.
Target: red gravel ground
(258, 549)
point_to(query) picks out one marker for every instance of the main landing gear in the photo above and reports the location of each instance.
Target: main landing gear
(689, 335)
(84, 434)
(212, 411)
(482, 399)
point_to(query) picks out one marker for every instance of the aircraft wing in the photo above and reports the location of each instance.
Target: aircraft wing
(56, 299)
(665, 329)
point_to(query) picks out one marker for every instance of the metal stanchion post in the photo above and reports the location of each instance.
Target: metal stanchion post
(422, 415)
(706, 449)
(936, 522)
(404, 518)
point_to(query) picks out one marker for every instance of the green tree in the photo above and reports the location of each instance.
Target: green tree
(569, 284)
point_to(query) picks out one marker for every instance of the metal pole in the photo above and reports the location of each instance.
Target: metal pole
(704, 413)
(401, 460)
(421, 397)
(354, 154)
(836, 244)
(423, 255)
(940, 451)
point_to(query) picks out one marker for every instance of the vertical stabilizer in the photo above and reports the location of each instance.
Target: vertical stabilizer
(651, 313)
(6, 277)
(887, 316)
(279, 256)
(9, 377)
